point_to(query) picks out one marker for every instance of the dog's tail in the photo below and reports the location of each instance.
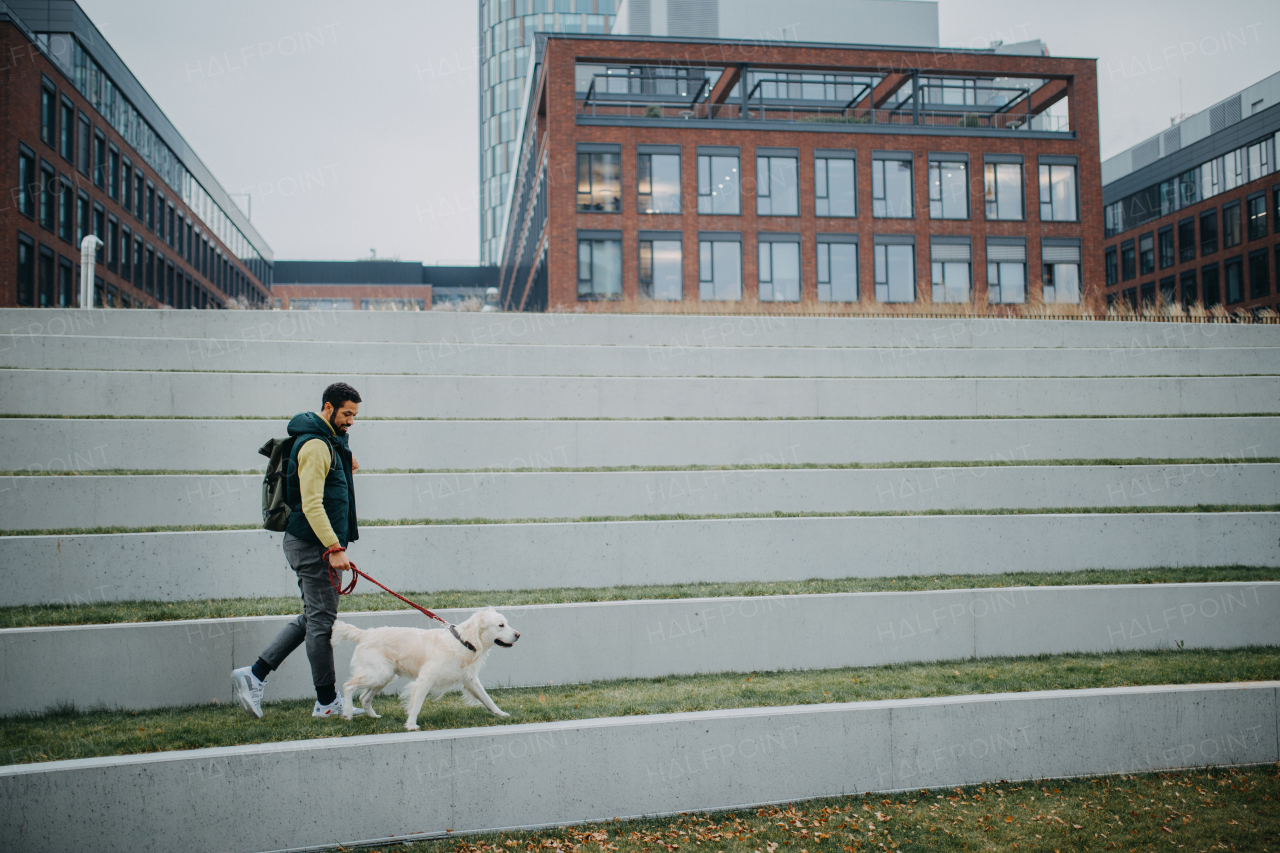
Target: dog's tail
(343, 632)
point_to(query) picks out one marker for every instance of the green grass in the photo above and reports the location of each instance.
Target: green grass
(680, 516)
(105, 612)
(68, 733)
(667, 418)
(766, 466)
(1194, 810)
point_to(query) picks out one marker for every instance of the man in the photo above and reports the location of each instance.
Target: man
(322, 520)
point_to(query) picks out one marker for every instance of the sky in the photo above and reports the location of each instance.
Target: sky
(352, 128)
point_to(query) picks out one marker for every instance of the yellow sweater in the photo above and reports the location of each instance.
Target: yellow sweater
(314, 460)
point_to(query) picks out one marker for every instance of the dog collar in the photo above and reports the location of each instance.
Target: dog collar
(453, 629)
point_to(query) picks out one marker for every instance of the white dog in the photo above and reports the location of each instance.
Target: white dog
(436, 660)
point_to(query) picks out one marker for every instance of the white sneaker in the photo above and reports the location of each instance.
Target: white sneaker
(248, 690)
(333, 709)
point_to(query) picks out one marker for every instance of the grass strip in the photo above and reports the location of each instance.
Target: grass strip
(612, 469)
(666, 418)
(679, 516)
(69, 733)
(109, 612)
(1234, 808)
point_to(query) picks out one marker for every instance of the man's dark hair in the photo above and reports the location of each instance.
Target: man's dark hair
(339, 393)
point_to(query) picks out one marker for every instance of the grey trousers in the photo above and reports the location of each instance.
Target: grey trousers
(319, 610)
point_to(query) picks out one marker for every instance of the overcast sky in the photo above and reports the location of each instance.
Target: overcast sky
(353, 126)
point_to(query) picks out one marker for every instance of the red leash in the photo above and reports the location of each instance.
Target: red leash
(356, 574)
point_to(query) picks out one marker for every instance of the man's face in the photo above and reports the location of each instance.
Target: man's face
(342, 417)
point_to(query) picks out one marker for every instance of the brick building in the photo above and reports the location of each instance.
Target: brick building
(87, 151)
(374, 285)
(704, 170)
(1192, 215)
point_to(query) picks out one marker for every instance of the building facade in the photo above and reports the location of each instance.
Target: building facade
(1192, 215)
(911, 23)
(89, 152)
(374, 285)
(704, 171)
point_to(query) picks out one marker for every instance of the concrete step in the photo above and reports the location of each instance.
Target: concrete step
(188, 662)
(634, 330)
(66, 569)
(63, 352)
(63, 444)
(223, 395)
(424, 784)
(89, 501)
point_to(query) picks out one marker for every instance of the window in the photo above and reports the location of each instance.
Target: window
(113, 173)
(948, 189)
(1259, 276)
(891, 188)
(84, 142)
(83, 225)
(779, 270)
(1003, 190)
(1208, 232)
(48, 189)
(149, 271)
(126, 253)
(1147, 295)
(151, 207)
(179, 232)
(1113, 220)
(951, 262)
(99, 229)
(661, 267)
(718, 180)
(1146, 254)
(160, 215)
(139, 193)
(45, 293)
(28, 186)
(138, 264)
(66, 284)
(26, 270)
(1233, 280)
(66, 210)
(895, 271)
(190, 240)
(99, 160)
(126, 185)
(1057, 192)
(168, 283)
(48, 113)
(113, 243)
(1257, 213)
(1168, 290)
(599, 265)
(1187, 240)
(835, 183)
(1189, 295)
(719, 268)
(1006, 270)
(1209, 284)
(777, 185)
(837, 269)
(1128, 266)
(1275, 209)
(1230, 225)
(1113, 272)
(1060, 270)
(599, 181)
(658, 189)
(1164, 245)
(67, 137)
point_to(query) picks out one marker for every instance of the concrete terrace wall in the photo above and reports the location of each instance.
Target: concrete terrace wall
(186, 662)
(554, 773)
(222, 395)
(634, 330)
(49, 503)
(54, 352)
(248, 563)
(62, 444)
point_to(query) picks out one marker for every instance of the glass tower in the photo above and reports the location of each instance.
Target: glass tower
(506, 39)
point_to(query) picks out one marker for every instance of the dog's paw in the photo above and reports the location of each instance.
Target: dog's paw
(411, 727)
(347, 717)
(501, 713)
(368, 712)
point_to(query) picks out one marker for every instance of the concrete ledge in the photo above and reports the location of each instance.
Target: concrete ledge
(86, 501)
(247, 563)
(249, 798)
(631, 330)
(64, 352)
(188, 662)
(222, 395)
(62, 444)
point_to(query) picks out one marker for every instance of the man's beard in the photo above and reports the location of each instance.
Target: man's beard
(340, 430)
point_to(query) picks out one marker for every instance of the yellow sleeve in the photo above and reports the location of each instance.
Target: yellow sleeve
(313, 468)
